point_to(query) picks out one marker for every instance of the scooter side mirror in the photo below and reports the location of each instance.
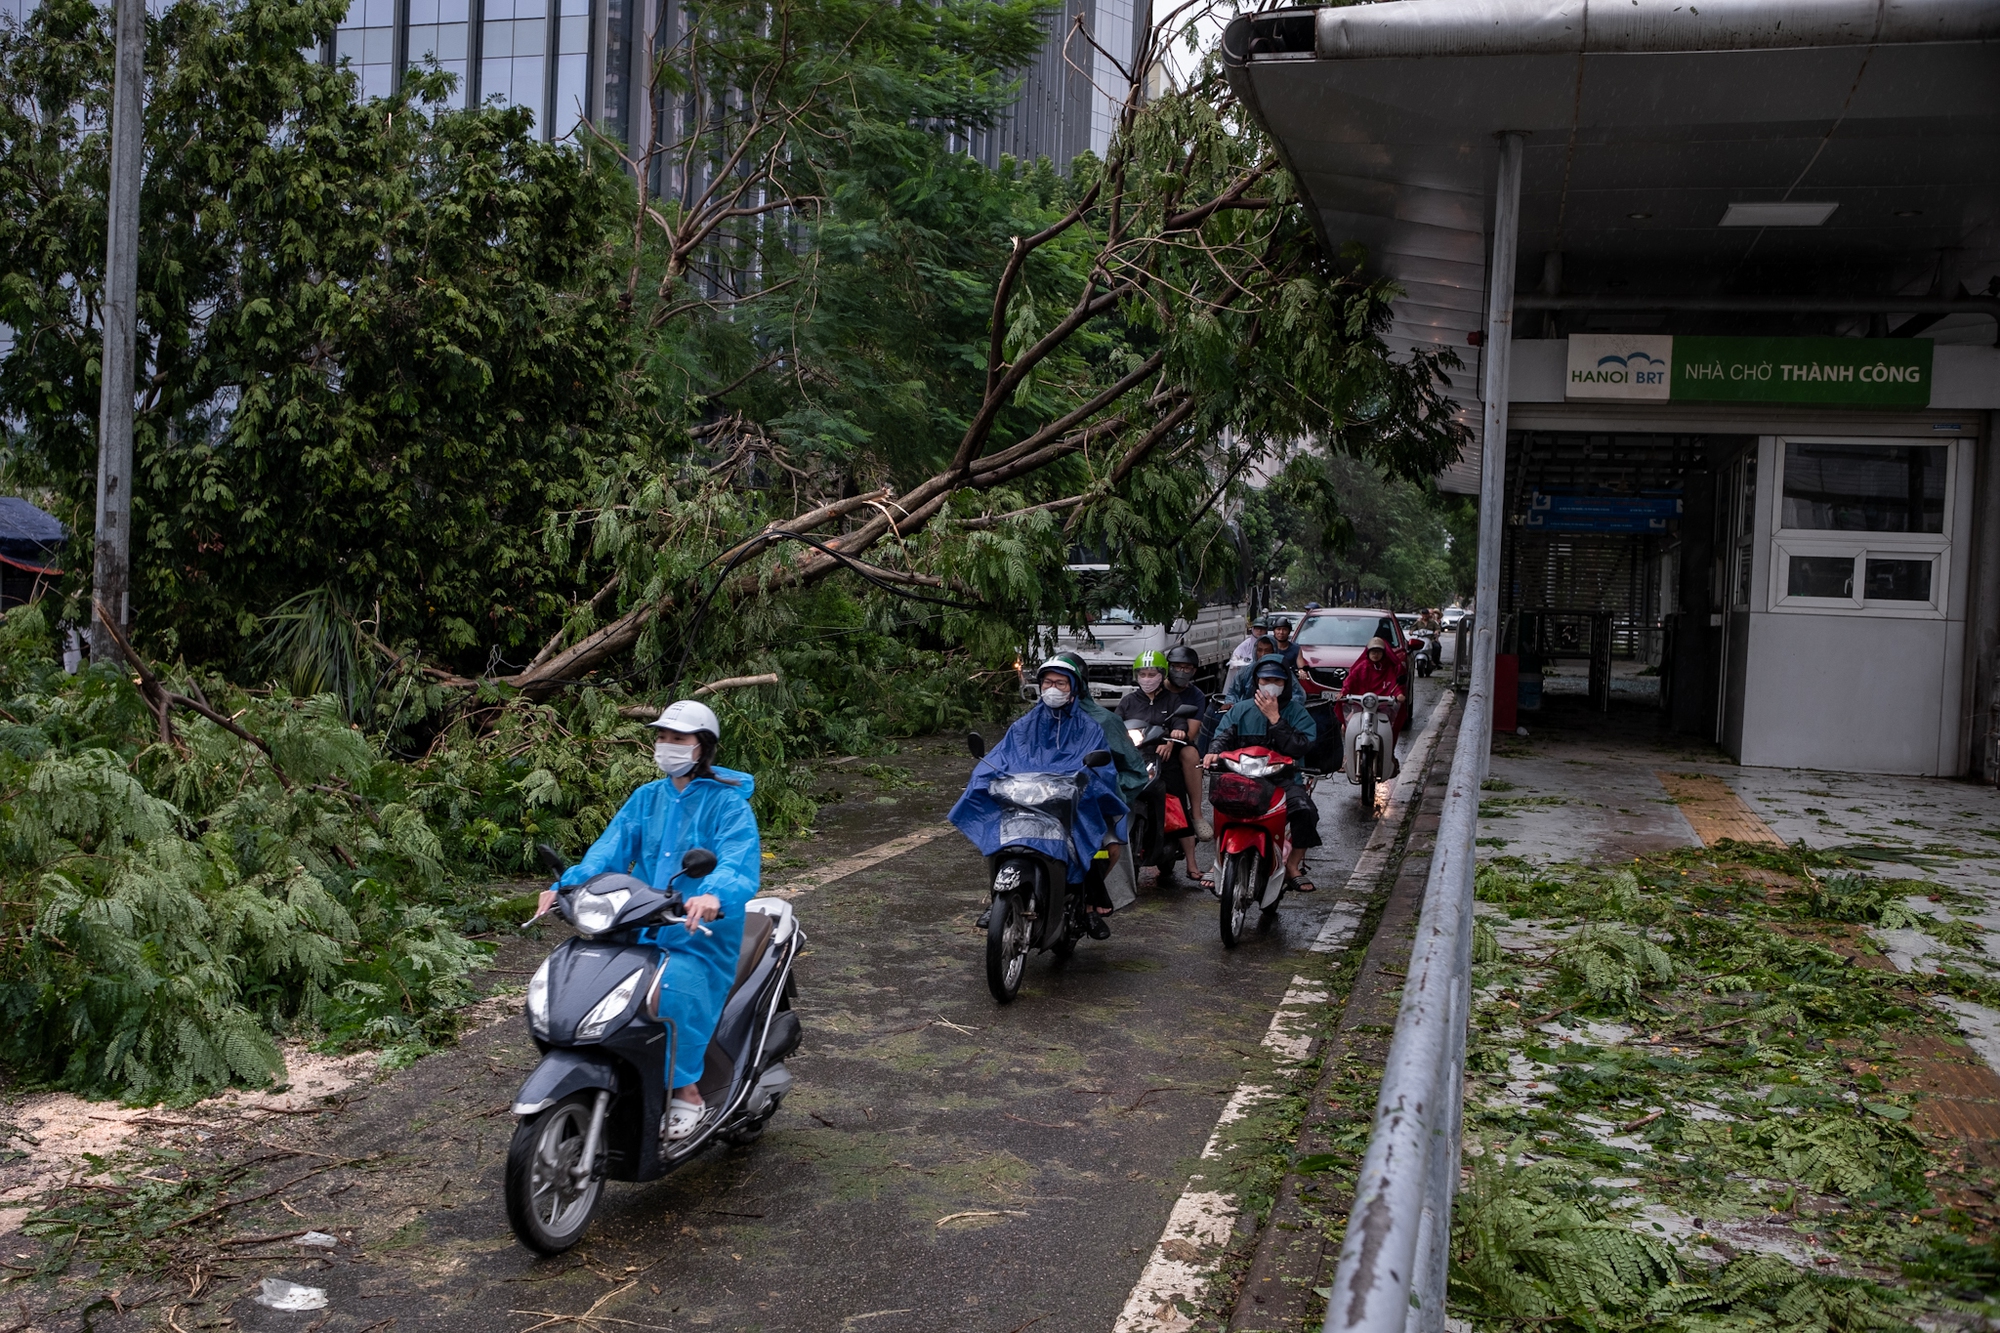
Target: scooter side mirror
(1186, 710)
(1097, 759)
(697, 862)
(551, 859)
(975, 743)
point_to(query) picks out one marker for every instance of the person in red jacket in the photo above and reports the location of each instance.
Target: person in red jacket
(1379, 671)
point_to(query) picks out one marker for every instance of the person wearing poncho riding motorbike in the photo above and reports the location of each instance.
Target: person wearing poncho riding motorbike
(695, 804)
(1053, 737)
(1274, 718)
(1380, 671)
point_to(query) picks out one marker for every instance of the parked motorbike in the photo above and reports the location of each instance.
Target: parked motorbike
(1252, 838)
(591, 1109)
(1158, 821)
(1033, 904)
(1371, 747)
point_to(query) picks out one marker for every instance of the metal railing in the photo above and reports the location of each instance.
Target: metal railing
(1394, 1264)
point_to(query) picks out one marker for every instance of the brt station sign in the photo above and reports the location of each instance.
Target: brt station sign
(1822, 372)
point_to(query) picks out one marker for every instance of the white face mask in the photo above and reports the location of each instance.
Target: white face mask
(1149, 681)
(674, 760)
(1055, 696)
(1270, 689)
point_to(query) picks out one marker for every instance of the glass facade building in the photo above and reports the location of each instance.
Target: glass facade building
(572, 60)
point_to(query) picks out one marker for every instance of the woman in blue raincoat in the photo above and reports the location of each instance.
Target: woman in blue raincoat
(1052, 737)
(695, 805)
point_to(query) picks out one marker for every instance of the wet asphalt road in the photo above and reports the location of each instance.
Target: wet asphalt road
(1067, 1122)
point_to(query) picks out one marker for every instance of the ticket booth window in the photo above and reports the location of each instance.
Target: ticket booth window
(1861, 526)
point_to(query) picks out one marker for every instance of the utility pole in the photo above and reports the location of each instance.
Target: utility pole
(112, 574)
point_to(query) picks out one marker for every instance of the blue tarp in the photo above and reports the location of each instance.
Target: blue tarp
(1044, 741)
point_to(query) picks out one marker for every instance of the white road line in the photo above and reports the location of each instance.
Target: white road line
(850, 865)
(1199, 1227)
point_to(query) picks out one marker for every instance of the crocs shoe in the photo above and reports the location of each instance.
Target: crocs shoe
(682, 1119)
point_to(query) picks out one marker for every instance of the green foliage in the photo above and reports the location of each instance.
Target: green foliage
(1343, 529)
(168, 908)
(377, 343)
(1529, 1244)
(1868, 898)
(1611, 966)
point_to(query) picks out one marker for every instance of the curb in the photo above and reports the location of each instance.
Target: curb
(1295, 1252)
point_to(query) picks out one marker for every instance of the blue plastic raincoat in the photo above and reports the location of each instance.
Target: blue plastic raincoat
(646, 838)
(1046, 740)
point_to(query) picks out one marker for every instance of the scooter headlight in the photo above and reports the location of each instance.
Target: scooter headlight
(594, 912)
(609, 1009)
(1138, 736)
(538, 1001)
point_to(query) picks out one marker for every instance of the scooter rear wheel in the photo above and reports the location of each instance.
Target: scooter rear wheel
(548, 1210)
(1238, 889)
(1006, 948)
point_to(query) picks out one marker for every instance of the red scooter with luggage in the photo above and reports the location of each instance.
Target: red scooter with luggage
(1252, 838)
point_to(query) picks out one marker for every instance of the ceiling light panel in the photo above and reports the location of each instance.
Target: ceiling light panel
(1789, 213)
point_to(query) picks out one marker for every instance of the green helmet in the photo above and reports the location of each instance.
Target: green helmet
(1074, 662)
(1151, 660)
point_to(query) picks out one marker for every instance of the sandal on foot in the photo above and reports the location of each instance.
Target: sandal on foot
(1303, 884)
(1099, 928)
(682, 1119)
(1205, 880)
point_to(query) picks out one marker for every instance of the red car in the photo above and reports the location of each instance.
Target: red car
(1332, 639)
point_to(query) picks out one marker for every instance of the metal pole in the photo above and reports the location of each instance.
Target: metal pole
(1499, 349)
(1393, 1266)
(111, 577)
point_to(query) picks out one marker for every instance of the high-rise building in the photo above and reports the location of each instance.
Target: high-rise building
(573, 59)
(568, 60)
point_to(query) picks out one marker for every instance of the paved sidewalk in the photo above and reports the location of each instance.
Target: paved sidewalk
(1597, 789)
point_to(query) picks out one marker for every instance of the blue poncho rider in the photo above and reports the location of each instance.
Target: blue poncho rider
(1274, 718)
(1053, 737)
(695, 805)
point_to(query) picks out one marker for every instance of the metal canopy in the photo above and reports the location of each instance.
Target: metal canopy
(1644, 121)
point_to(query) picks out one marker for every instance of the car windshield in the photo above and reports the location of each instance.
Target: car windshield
(1345, 631)
(1116, 615)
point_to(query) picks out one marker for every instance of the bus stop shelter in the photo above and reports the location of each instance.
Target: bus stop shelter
(1725, 280)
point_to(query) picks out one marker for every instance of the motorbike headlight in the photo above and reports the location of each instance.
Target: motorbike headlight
(1136, 734)
(594, 912)
(609, 1009)
(538, 1001)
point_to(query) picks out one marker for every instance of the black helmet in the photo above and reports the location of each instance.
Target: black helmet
(1183, 656)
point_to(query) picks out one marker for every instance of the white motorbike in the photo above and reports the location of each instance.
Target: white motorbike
(1370, 742)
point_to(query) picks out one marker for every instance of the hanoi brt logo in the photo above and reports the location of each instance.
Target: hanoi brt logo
(1620, 365)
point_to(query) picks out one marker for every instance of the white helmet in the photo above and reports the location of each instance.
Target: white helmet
(688, 716)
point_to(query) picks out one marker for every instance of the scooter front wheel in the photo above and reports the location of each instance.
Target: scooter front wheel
(1238, 888)
(551, 1194)
(1006, 948)
(1366, 761)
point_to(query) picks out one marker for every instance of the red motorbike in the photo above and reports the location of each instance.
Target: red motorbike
(1252, 838)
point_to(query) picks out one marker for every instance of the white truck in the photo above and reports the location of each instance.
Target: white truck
(1112, 638)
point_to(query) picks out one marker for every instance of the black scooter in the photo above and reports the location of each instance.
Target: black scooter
(1034, 905)
(591, 1110)
(1151, 841)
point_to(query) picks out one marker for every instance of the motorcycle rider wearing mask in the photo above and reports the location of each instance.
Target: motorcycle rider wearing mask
(1063, 687)
(694, 804)
(1274, 718)
(1153, 704)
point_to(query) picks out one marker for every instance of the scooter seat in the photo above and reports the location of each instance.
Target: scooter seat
(757, 928)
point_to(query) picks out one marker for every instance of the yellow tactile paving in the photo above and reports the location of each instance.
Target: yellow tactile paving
(1714, 811)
